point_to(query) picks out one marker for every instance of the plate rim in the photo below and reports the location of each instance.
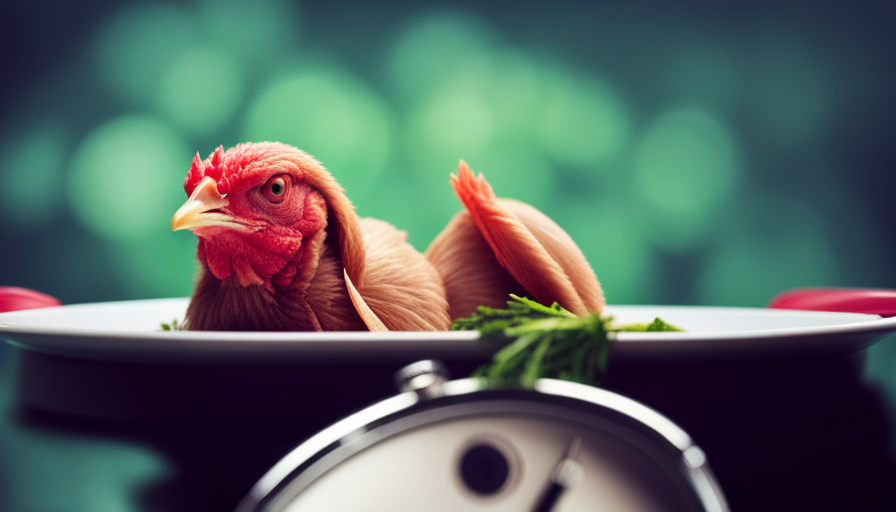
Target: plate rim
(162, 345)
(864, 322)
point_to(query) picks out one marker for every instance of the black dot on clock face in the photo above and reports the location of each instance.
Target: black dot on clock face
(484, 469)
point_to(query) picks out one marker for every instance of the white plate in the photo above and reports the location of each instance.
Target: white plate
(130, 331)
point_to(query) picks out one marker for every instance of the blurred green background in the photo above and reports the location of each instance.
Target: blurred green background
(699, 155)
(699, 152)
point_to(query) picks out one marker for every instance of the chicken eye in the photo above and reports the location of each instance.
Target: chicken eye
(276, 188)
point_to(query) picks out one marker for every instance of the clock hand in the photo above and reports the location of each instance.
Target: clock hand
(565, 475)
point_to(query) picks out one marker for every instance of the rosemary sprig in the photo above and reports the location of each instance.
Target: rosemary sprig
(540, 341)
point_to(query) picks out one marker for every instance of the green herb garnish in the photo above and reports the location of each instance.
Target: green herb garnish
(540, 341)
(658, 325)
(173, 326)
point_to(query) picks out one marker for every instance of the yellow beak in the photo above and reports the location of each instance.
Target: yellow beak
(202, 209)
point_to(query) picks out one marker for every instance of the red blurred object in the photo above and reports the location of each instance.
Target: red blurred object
(849, 300)
(14, 299)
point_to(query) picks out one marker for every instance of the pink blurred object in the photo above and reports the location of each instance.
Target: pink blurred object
(15, 299)
(849, 300)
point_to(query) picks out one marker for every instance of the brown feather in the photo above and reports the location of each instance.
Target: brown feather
(402, 288)
(328, 297)
(341, 217)
(316, 299)
(403, 292)
(562, 249)
(471, 273)
(534, 252)
(226, 305)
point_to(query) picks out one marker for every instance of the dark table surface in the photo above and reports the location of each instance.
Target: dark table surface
(825, 443)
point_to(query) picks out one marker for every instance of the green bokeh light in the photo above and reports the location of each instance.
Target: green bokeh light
(508, 82)
(481, 117)
(124, 181)
(433, 50)
(518, 173)
(200, 90)
(790, 93)
(623, 260)
(705, 72)
(776, 244)
(458, 123)
(333, 116)
(160, 264)
(256, 31)
(459, 126)
(686, 167)
(136, 47)
(30, 175)
(584, 122)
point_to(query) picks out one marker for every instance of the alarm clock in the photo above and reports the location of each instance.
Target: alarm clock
(455, 445)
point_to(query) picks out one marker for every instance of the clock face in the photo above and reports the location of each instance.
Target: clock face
(493, 456)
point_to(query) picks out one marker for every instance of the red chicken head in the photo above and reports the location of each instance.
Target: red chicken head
(258, 209)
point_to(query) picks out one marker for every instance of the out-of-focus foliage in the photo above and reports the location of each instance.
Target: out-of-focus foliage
(692, 162)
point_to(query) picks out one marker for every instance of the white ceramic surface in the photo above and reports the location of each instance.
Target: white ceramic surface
(130, 331)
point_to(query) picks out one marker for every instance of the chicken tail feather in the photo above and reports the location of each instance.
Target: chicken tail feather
(531, 247)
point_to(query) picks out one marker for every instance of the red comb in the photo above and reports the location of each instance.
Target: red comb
(213, 169)
(216, 167)
(194, 176)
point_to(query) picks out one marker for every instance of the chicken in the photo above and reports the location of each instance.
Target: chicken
(281, 248)
(500, 246)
